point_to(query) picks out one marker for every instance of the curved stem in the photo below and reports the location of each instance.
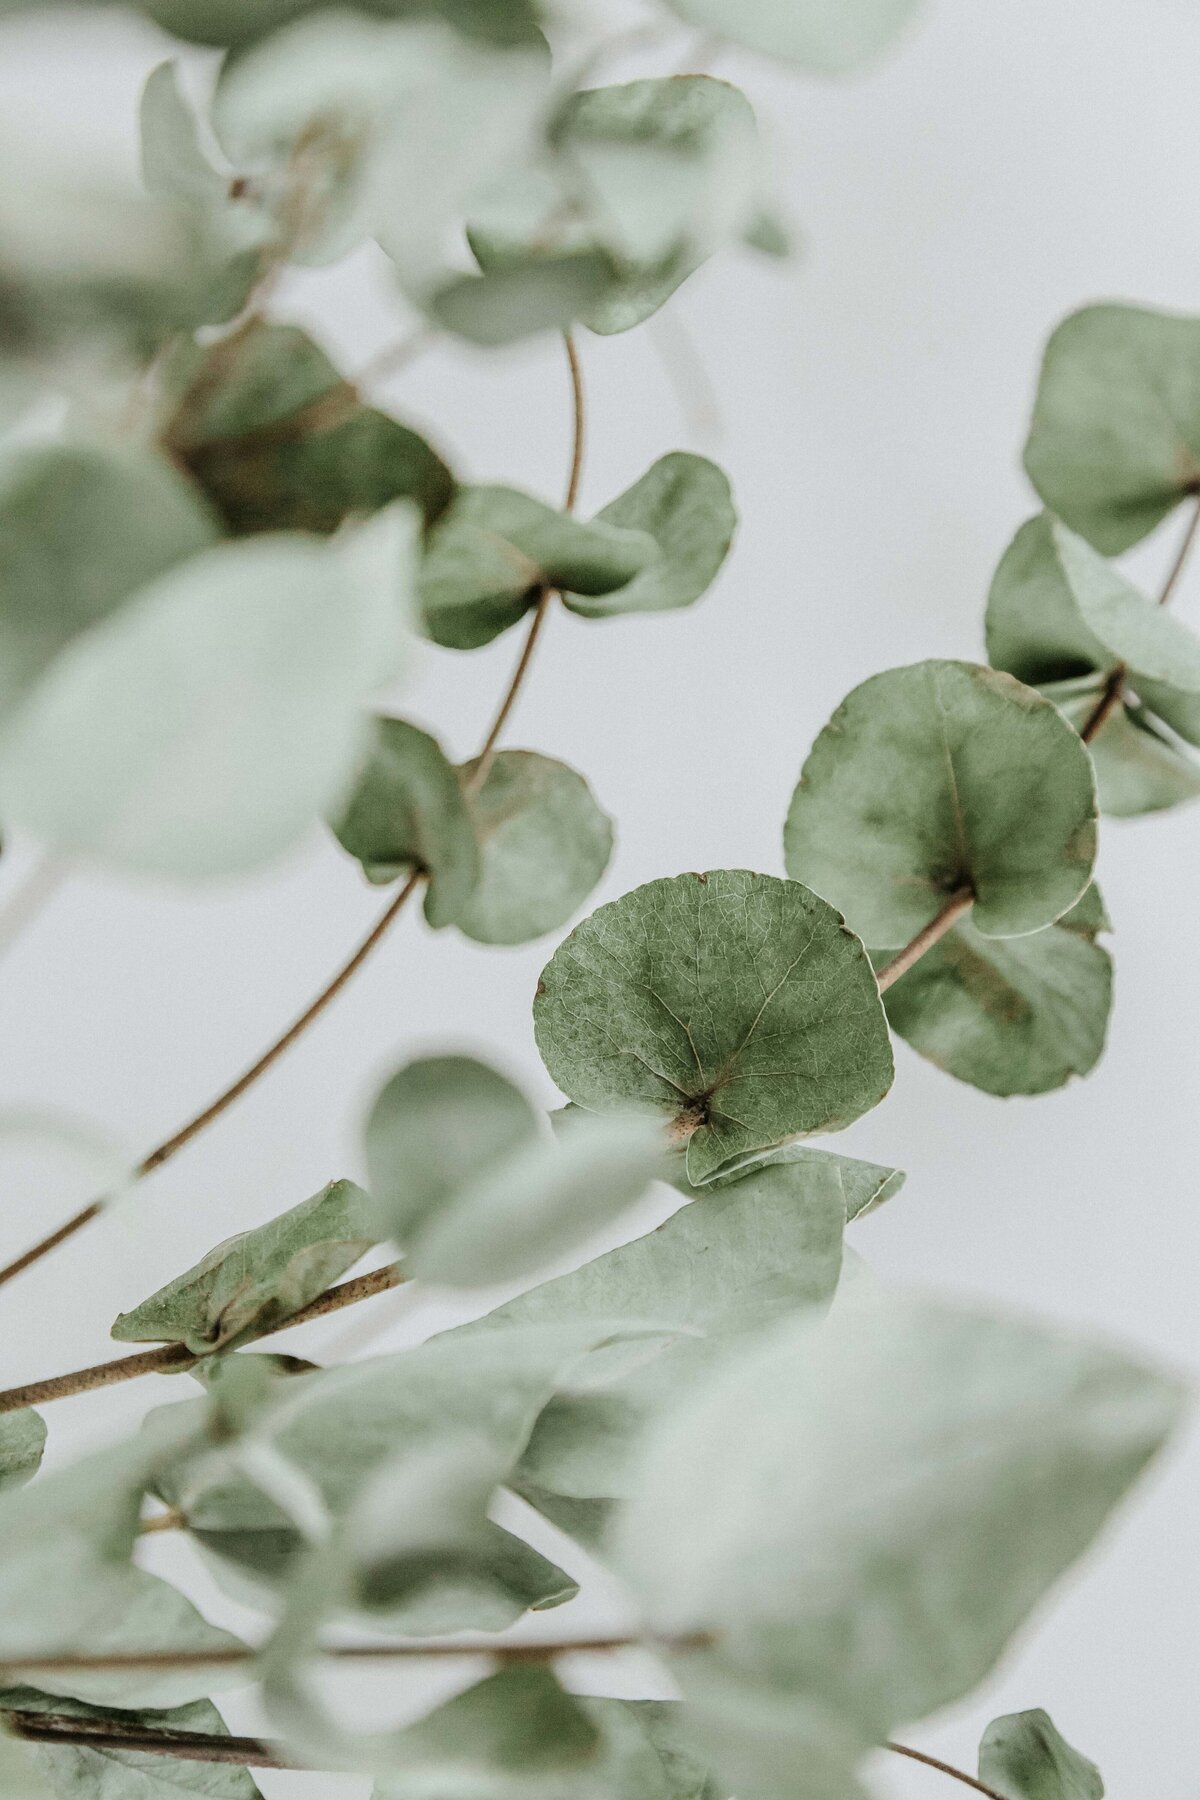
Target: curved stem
(173, 1359)
(945, 1768)
(172, 1145)
(942, 922)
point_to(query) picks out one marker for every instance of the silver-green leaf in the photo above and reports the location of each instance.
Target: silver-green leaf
(684, 503)
(831, 36)
(22, 1441)
(1025, 1756)
(80, 1772)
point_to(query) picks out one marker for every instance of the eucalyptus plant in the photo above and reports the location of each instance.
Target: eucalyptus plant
(829, 1503)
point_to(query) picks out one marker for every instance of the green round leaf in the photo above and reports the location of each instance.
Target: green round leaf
(263, 473)
(1114, 444)
(938, 776)
(516, 297)
(1057, 608)
(85, 527)
(832, 36)
(22, 1440)
(407, 811)
(544, 844)
(1010, 1015)
(735, 1004)
(1026, 1757)
(683, 502)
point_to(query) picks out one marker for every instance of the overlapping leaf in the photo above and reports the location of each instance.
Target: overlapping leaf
(282, 443)
(205, 727)
(939, 776)
(544, 843)
(81, 1772)
(954, 1466)
(734, 1004)
(1024, 1756)
(471, 1189)
(1010, 1015)
(1114, 444)
(683, 502)
(408, 811)
(496, 549)
(253, 1282)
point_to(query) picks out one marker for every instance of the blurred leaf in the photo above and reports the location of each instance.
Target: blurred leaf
(936, 776)
(203, 729)
(1010, 1015)
(81, 529)
(1025, 1756)
(1057, 609)
(1139, 768)
(253, 1282)
(235, 23)
(522, 295)
(544, 844)
(1114, 444)
(683, 502)
(831, 36)
(407, 811)
(514, 1736)
(267, 459)
(22, 1441)
(735, 1004)
(20, 1777)
(473, 1193)
(493, 552)
(954, 1466)
(78, 1772)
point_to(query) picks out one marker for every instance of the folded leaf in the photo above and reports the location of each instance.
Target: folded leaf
(81, 530)
(494, 551)
(736, 1005)
(939, 776)
(1010, 1015)
(267, 459)
(253, 1282)
(544, 843)
(1114, 444)
(1025, 1756)
(408, 811)
(78, 1772)
(22, 1440)
(470, 1189)
(954, 1465)
(684, 503)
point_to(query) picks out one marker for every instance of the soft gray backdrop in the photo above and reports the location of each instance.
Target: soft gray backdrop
(1012, 159)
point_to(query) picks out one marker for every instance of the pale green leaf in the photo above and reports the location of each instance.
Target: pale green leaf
(544, 843)
(866, 1185)
(736, 1005)
(1140, 768)
(517, 1735)
(81, 529)
(470, 1189)
(683, 502)
(20, 1777)
(939, 776)
(235, 23)
(517, 297)
(493, 552)
(22, 1441)
(281, 443)
(253, 1282)
(174, 161)
(1058, 609)
(1114, 444)
(831, 36)
(1010, 1015)
(954, 1466)
(407, 811)
(1026, 1757)
(78, 1772)
(205, 727)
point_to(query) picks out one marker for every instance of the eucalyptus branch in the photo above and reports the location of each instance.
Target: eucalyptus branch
(935, 1762)
(173, 1359)
(958, 903)
(183, 1746)
(202, 1120)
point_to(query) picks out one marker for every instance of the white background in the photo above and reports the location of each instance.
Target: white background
(1010, 161)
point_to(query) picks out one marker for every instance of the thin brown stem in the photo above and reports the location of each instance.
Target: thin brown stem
(1186, 546)
(234, 1655)
(942, 922)
(172, 1359)
(174, 1519)
(183, 1746)
(935, 1762)
(171, 1146)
